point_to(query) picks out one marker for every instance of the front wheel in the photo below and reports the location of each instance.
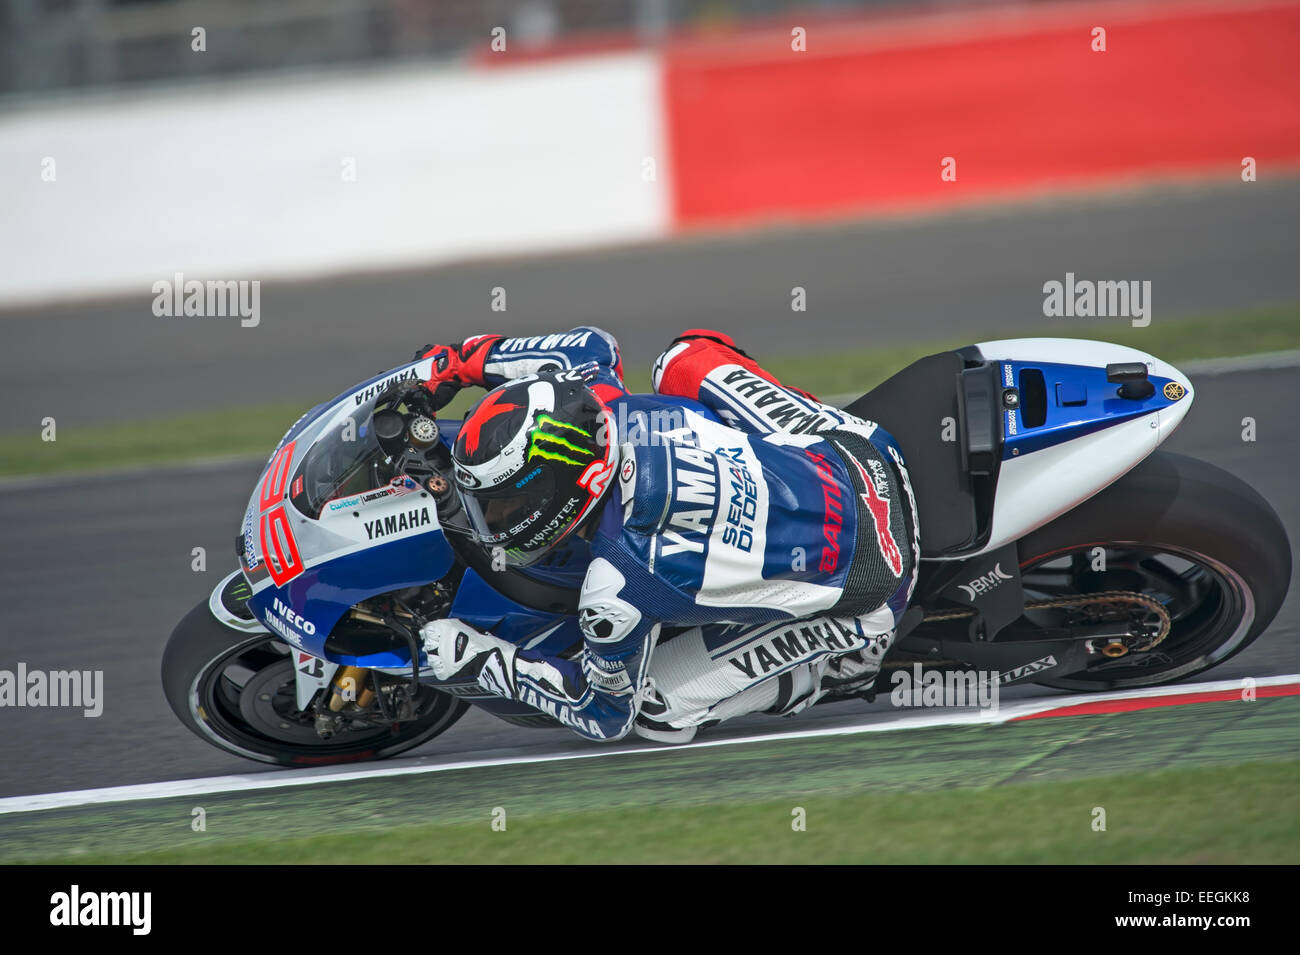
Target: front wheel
(236, 691)
(1203, 543)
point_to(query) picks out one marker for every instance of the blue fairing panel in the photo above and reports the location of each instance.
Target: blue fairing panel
(480, 606)
(1080, 401)
(322, 594)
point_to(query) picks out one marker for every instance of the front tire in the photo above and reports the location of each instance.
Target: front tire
(1200, 540)
(234, 689)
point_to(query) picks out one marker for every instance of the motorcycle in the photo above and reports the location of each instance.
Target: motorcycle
(1059, 546)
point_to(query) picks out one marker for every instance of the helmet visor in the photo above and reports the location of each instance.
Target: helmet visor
(500, 515)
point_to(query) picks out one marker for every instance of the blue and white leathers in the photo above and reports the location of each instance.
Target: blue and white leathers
(787, 535)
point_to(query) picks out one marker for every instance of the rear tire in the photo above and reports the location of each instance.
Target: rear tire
(1187, 513)
(203, 696)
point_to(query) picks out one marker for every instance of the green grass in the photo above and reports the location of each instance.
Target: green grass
(255, 430)
(136, 444)
(1194, 816)
(1209, 782)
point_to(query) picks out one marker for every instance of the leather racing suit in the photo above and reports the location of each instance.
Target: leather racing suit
(770, 534)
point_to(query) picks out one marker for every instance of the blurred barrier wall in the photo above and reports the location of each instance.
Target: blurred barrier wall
(305, 179)
(54, 44)
(427, 165)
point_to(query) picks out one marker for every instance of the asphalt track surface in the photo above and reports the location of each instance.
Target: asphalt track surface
(97, 570)
(970, 274)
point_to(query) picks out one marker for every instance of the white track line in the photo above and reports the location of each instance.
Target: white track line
(280, 779)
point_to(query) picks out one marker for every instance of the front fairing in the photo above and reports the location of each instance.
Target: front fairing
(308, 561)
(308, 553)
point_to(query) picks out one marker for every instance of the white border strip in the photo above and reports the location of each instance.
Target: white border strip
(281, 779)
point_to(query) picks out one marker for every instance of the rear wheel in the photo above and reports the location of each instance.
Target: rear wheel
(1203, 543)
(236, 690)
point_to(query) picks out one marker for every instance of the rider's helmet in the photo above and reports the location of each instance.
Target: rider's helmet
(531, 462)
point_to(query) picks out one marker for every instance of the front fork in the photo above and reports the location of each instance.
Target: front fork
(350, 685)
(354, 696)
(343, 684)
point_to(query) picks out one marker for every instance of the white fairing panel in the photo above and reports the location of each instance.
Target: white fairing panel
(1077, 351)
(1040, 486)
(311, 675)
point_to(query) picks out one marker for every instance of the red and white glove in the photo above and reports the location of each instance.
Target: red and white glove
(456, 366)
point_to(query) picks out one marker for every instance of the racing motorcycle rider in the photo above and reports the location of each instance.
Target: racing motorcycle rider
(791, 527)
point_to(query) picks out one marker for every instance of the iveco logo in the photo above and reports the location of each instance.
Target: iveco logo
(986, 583)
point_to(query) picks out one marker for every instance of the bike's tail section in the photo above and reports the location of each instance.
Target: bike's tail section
(1003, 436)
(1074, 417)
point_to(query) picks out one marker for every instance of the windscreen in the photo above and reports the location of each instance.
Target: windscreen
(343, 462)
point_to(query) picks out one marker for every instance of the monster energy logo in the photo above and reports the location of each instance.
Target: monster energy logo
(553, 441)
